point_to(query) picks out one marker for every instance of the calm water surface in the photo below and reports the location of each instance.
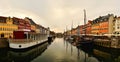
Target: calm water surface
(60, 51)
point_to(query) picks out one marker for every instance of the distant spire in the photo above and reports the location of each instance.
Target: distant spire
(84, 16)
(84, 21)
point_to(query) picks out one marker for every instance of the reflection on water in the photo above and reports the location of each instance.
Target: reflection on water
(61, 51)
(22, 56)
(107, 55)
(4, 55)
(102, 54)
(27, 56)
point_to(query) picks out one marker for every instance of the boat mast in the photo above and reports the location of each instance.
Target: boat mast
(66, 31)
(71, 27)
(84, 21)
(78, 31)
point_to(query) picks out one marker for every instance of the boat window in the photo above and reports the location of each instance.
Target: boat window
(118, 33)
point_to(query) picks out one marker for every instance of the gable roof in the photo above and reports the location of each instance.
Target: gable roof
(3, 19)
(31, 21)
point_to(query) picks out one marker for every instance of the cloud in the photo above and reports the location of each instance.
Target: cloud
(58, 14)
(22, 14)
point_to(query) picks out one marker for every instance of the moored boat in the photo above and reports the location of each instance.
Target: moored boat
(24, 43)
(26, 39)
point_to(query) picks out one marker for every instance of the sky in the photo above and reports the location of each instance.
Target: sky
(59, 14)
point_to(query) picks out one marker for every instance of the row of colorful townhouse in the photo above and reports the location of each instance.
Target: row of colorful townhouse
(103, 25)
(8, 25)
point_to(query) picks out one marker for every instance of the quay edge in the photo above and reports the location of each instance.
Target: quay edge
(4, 43)
(112, 42)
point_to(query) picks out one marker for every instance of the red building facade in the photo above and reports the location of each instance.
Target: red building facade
(88, 27)
(81, 29)
(22, 24)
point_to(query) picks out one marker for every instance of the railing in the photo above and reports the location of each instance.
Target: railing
(20, 40)
(32, 39)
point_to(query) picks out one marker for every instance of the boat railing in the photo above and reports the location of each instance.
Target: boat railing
(20, 40)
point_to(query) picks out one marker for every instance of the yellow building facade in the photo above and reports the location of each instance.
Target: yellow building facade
(33, 27)
(7, 27)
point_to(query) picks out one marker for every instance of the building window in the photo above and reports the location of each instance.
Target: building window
(118, 27)
(114, 32)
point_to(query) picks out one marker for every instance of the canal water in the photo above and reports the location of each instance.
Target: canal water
(60, 51)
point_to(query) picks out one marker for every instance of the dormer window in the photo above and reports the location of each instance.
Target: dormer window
(118, 27)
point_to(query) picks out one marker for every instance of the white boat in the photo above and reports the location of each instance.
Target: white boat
(23, 39)
(24, 43)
